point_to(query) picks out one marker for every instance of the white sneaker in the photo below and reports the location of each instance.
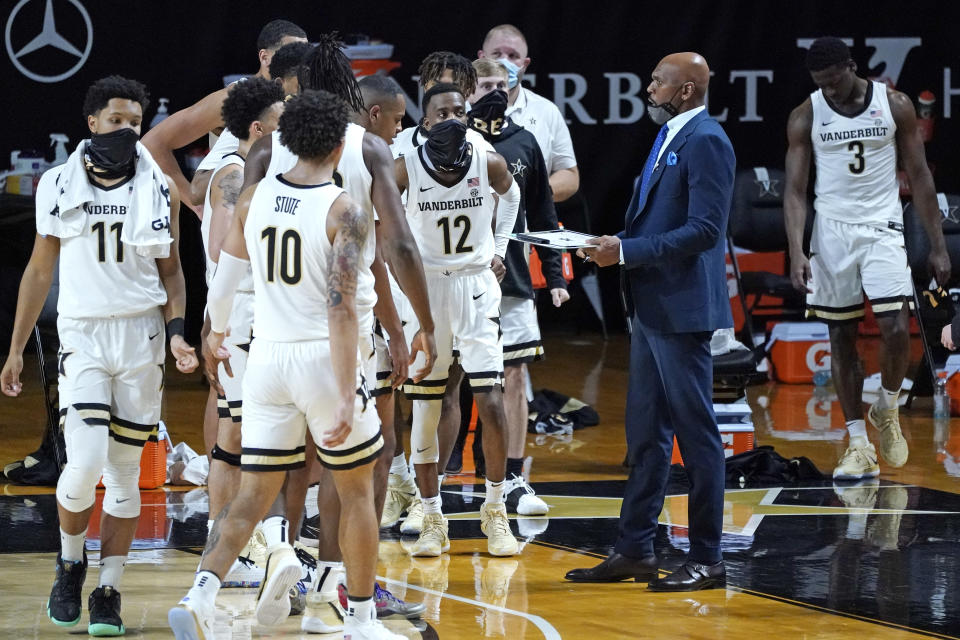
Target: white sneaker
(400, 495)
(521, 499)
(413, 523)
(496, 526)
(322, 615)
(859, 461)
(893, 446)
(283, 571)
(243, 573)
(192, 619)
(434, 539)
(353, 629)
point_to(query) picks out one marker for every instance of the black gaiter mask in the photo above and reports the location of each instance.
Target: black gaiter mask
(111, 155)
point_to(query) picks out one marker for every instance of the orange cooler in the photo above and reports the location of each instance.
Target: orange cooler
(736, 438)
(798, 350)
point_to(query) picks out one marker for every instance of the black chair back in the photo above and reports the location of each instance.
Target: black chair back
(918, 245)
(756, 218)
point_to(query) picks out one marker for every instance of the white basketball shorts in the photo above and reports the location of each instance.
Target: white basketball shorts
(521, 331)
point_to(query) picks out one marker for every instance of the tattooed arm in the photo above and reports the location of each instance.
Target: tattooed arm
(223, 199)
(347, 226)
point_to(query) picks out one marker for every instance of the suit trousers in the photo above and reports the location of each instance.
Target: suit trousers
(670, 393)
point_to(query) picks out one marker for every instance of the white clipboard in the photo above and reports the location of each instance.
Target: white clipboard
(556, 239)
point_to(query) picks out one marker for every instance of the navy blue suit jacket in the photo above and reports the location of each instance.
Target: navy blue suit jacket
(673, 241)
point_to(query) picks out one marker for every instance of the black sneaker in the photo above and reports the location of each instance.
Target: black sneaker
(63, 607)
(104, 605)
(310, 531)
(455, 463)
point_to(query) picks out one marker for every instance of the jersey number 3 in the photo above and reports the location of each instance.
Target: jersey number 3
(459, 221)
(858, 163)
(289, 267)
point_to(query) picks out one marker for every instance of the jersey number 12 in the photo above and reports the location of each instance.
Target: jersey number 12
(459, 221)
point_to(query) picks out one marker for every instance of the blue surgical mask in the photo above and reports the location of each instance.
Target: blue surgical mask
(513, 71)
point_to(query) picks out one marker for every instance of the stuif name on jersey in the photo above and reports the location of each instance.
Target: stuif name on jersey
(105, 209)
(287, 204)
(451, 205)
(869, 132)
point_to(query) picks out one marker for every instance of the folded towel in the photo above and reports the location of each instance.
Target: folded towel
(64, 190)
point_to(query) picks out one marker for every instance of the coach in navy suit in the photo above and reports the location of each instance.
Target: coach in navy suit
(671, 252)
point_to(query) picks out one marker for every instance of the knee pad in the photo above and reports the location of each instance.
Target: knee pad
(122, 496)
(77, 487)
(232, 459)
(424, 446)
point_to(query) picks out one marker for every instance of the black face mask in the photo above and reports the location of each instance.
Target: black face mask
(111, 155)
(487, 114)
(446, 145)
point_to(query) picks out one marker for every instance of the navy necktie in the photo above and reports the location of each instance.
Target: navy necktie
(651, 163)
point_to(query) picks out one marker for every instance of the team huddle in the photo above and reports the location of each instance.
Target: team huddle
(348, 262)
(342, 265)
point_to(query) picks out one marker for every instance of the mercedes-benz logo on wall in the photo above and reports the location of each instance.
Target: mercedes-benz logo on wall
(20, 44)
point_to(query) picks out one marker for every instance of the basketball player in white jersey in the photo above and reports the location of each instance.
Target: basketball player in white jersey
(251, 110)
(304, 237)
(402, 495)
(451, 213)
(856, 130)
(110, 216)
(184, 126)
(366, 171)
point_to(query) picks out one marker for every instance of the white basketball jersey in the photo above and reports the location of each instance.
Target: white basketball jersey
(233, 158)
(353, 176)
(453, 226)
(286, 238)
(100, 277)
(856, 160)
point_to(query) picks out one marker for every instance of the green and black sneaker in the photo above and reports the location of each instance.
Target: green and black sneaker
(63, 607)
(104, 605)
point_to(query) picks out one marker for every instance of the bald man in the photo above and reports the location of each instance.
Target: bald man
(672, 253)
(507, 44)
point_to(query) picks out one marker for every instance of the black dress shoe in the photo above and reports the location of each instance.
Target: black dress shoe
(617, 568)
(692, 576)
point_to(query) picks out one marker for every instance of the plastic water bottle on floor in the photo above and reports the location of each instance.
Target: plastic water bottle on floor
(941, 401)
(821, 378)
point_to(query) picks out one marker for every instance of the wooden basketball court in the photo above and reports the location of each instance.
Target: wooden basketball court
(877, 561)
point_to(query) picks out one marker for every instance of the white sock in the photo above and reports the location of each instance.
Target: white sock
(856, 526)
(71, 547)
(857, 429)
(440, 479)
(205, 587)
(311, 509)
(275, 531)
(495, 492)
(888, 399)
(432, 505)
(328, 573)
(111, 570)
(361, 610)
(399, 467)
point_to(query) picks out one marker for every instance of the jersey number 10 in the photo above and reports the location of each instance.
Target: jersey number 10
(289, 267)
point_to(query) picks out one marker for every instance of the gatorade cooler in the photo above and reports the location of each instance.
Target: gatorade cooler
(153, 462)
(736, 438)
(798, 350)
(153, 526)
(369, 58)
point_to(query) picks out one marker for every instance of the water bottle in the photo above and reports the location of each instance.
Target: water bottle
(821, 378)
(162, 113)
(941, 401)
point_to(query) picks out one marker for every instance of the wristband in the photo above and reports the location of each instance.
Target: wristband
(174, 328)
